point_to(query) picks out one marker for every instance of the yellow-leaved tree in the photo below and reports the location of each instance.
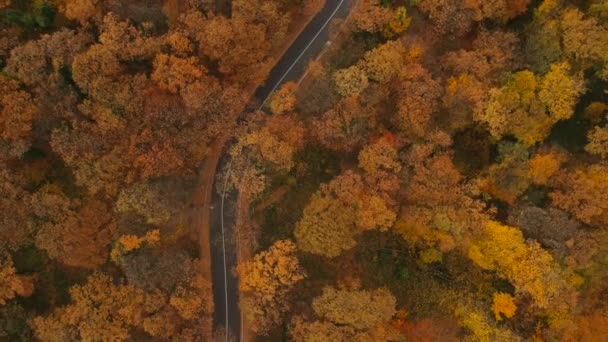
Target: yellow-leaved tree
(360, 310)
(338, 212)
(284, 99)
(527, 106)
(503, 304)
(266, 281)
(351, 81)
(530, 268)
(383, 62)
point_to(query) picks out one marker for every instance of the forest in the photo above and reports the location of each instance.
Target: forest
(440, 172)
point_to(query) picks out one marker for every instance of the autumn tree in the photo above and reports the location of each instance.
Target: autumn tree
(349, 315)
(145, 200)
(12, 284)
(359, 309)
(429, 329)
(262, 151)
(383, 62)
(418, 95)
(83, 10)
(492, 53)
(584, 40)
(528, 107)
(157, 268)
(175, 73)
(76, 234)
(559, 91)
(125, 40)
(190, 299)
(399, 23)
(17, 112)
(448, 17)
(338, 212)
(543, 38)
(351, 81)
(544, 166)
(458, 18)
(266, 281)
(371, 16)
(582, 328)
(480, 325)
(509, 178)
(243, 43)
(327, 226)
(39, 63)
(463, 99)
(179, 277)
(17, 228)
(128, 243)
(283, 100)
(582, 192)
(503, 304)
(99, 310)
(598, 141)
(500, 10)
(319, 331)
(345, 126)
(440, 208)
(529, 267)
(270, 147)
(142, 129)
(381, 155)
(551, 227)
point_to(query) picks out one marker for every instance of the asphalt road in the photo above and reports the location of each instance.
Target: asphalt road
(223, 252)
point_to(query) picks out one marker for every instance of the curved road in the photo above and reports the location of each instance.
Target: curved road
(291, 67)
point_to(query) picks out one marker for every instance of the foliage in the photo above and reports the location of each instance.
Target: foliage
(481, 327)
(441, 169)
(75, 234)
(383, 62)
(99, 310)
(345, 126)
(266, 282)
(16, 115)
(503, 304)
(582, 193)
(284, 99)
(358, 309)
(418, 95)
(338, 212)
(13, 284)
(598, 141)
(528, 107)
(351, 81)
(129, 243)
(371, 16)
(379, 156)
(530, 268)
